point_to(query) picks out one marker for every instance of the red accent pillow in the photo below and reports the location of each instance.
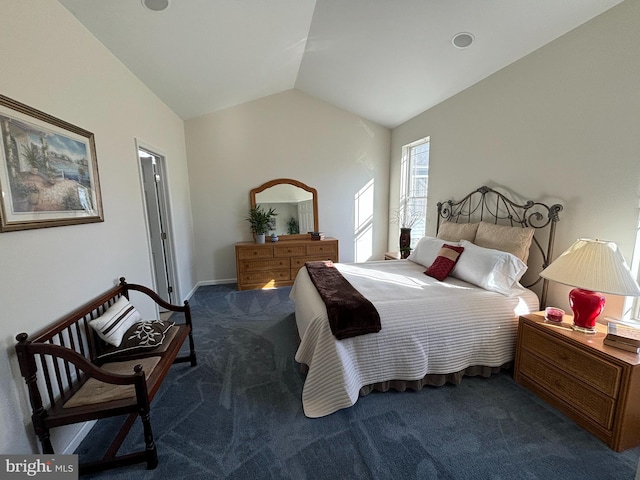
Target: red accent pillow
(444, 262)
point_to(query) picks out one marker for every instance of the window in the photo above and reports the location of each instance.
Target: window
(631, 309)
(413, 187)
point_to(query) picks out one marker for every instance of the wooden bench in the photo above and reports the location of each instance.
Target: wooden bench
(58, 362)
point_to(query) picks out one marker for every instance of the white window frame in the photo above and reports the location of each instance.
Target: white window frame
(408, 199)
(631, 309)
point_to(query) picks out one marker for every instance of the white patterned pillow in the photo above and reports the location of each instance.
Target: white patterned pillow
(113, 324)
(140, 337)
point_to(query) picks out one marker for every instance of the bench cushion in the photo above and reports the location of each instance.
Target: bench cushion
(141, 337)
(94, 391)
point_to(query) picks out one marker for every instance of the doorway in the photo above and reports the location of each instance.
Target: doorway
(154, 185)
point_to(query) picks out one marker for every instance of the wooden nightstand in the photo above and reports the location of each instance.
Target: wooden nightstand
(392, 255)
(596, 386)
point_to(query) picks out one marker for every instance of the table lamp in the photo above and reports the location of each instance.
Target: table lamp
(593, 267)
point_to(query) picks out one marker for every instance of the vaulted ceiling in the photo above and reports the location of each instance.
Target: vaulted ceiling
(384, 60)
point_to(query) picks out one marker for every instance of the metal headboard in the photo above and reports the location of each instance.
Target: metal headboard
(488, 205)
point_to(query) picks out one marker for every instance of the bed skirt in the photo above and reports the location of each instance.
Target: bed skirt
(434, 380)
(429, 380)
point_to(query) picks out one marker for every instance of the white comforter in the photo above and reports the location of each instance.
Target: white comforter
(428, 327)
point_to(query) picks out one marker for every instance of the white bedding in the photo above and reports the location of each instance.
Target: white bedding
(428, 327)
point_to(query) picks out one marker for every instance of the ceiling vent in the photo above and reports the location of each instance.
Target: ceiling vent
(462, 40)
(156, 5)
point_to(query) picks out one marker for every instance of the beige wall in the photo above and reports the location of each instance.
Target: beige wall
(561, 125)
(50, 62)
(287, 135)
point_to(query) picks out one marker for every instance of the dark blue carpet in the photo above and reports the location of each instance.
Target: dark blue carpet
(238, 415)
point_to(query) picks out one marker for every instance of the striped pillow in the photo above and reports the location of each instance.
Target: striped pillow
(115, 321)
(444, 262)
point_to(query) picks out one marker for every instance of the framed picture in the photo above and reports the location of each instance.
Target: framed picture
(48, 171)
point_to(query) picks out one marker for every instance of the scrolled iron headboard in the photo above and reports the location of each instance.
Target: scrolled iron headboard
(489, 205)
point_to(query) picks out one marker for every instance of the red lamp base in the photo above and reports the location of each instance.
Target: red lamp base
(586, 306)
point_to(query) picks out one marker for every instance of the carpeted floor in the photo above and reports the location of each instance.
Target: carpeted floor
(238, 415)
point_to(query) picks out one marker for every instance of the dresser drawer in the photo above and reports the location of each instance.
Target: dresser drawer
(602, 375)
(276, 264)
(264, 277)
(288, 250)
(263, 265)
(598, 407)
(298, 262)
(246, 253)
(322, 248)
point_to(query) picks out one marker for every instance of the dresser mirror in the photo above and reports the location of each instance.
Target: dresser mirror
(295, 203)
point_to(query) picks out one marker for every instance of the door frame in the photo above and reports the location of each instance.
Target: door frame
(165, 206)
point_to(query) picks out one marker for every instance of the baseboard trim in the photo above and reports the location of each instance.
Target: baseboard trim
(80, 435)
(215, 282)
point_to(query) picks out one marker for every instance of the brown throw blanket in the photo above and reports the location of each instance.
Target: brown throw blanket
(350, 314)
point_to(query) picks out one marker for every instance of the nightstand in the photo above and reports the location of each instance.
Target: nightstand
(392, 255)
(595, 385)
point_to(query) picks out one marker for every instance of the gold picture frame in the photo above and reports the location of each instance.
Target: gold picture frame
(48, 171)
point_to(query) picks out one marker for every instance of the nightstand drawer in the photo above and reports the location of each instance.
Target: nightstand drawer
(590, 369)
(599, 407)
(261, 265)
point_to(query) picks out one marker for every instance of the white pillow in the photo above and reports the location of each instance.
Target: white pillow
(427, 250)
(115, 321)
(489, 269)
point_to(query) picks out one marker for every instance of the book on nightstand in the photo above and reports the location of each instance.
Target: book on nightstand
(621, 345)
(626, 334)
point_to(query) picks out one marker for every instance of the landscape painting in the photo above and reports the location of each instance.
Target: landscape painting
(48, 172)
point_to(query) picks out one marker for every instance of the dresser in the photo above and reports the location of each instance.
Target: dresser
(276, 264)
(595, 385)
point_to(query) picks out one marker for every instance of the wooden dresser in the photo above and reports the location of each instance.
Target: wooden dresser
(595, 385)
(276, 264)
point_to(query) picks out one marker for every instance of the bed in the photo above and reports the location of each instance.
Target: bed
(431, 329)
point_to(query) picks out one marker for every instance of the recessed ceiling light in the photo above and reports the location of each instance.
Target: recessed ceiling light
(156, 5)
(462, 40)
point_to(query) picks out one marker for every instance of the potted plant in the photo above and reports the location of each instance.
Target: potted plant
(292, 226)
(405, 218)
(260, 221)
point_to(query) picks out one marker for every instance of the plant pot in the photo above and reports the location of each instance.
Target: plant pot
(260, 237)
(405, 242)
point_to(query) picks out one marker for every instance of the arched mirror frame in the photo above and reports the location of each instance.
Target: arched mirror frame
(289, 181)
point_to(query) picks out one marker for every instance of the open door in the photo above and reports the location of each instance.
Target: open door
(158, 222)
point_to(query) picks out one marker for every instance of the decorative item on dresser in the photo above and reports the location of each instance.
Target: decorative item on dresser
(260, 221)
(594, 267)
(277, 264)
(595, 385)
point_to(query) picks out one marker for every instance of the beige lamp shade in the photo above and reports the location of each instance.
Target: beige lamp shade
(595, 265)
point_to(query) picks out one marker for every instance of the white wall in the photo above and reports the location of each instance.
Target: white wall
(561, 125)
(50, 62)
(287, 135)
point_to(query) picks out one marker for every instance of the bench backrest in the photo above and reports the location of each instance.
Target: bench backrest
(59, 376)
